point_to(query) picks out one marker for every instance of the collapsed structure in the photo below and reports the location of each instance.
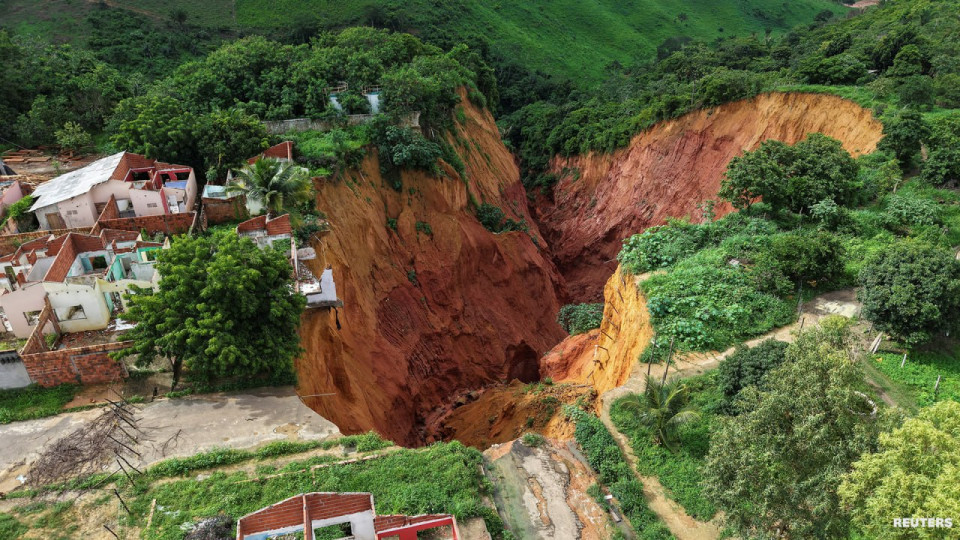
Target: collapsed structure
(277, 233)
(83, 277)
(140, 186)
(346, 515)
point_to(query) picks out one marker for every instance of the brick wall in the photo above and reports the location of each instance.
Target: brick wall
(279, 225)
(328, 505)
(290, 512)
(85, 365)
(168, 224)
(224, 210)
(10, 242)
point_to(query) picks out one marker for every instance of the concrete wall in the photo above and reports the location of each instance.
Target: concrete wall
(65, 295)
(222, 210)
(118, 188)
(10, 242)
(12, 194)
(79, 211)
(13, 374)
(167, 223)
(16, 303)
(143, 199)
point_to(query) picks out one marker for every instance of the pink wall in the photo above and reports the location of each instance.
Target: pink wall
(14, 304)
(11, 195)
(86, 211)
(141, 198)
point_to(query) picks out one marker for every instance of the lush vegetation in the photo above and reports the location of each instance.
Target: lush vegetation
(34, 402)
(224, 308)
(892, 482)
(728, 280)
(779, 463)
(219, 457)
(10, 527)
(613, 471)
(680, 471)
(859, 52)
(580, 318)
(912, 291)
(748, 366)
(920, 372)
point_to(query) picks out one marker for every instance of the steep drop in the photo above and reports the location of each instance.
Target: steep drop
(668, 170)
(434, 304)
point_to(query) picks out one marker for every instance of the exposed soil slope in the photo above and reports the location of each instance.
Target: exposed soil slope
(670, 169)
(427, 314)
(504, 412)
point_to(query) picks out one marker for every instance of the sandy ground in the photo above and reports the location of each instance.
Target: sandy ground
(203, 422)
(684, 527)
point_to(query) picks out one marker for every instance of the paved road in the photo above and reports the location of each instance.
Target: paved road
(226, 420)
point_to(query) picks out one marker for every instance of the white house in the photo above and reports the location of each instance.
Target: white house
(141, 186)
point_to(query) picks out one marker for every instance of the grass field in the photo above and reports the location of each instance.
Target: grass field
(573, 39)
(919, 374)
(34, 402)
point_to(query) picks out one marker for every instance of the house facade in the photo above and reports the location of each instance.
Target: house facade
(141, 187)
(83, 277)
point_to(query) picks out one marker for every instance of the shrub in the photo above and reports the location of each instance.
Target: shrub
(942, 167)
(904, 211)
(218, 457)
(911, 290)
(580, 318)
(494, 220)
(792, 257)
(533, 440)
(747, 366)
(73, 137)
(607, 460)
(706, 303)
(283, 448)
(406, 149)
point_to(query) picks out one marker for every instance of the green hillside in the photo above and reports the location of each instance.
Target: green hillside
(571, 39)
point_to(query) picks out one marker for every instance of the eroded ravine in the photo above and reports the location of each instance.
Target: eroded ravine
(668, 170)
(436, 306)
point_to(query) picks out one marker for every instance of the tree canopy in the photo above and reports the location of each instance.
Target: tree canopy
(778, 464)
(915, 472)
(792, 177)
(224, 308)
(911, 290)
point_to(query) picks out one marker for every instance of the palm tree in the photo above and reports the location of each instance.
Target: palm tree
(663, 407)
(278, 186)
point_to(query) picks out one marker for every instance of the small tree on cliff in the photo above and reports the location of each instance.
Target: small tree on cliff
(224, 308)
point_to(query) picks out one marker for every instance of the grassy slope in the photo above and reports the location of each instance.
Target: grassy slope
(574, 39)
(569, 38)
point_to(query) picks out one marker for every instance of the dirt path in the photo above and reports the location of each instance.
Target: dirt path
(681, 524)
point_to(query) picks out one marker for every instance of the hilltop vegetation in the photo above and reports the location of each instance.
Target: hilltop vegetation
(901, 54)
(592, 35)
